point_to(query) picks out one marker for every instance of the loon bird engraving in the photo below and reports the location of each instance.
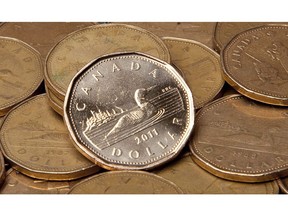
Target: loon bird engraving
(144, 111)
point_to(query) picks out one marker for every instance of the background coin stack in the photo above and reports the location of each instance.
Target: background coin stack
(238, 144)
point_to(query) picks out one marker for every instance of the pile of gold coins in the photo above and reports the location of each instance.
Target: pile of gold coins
(82, 103)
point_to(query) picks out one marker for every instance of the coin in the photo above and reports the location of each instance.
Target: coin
(125, 182)
(255, 64)
(194, 180)
(201, 68)
(17, 183)
(36, 142)
(198, 31)
(55, 102)
(225, 31)
(283, 184)
(81, 47)
(21, 72)
(41, 35)
(240, 139)
(2, 169)
(129, 111)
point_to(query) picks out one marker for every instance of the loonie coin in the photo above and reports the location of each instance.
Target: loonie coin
(17, 183)
(21, 72)
(35, 140)
(125, 182)
(194, 180)
(2, 169)
(80, 47)
(55, 102)
(283, 185)
(129, 111)
(255, 63)
(201, 68)
(240, 139)
(40, 35)
(198, 31)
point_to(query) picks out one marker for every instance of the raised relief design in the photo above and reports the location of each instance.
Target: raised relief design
(105, 128)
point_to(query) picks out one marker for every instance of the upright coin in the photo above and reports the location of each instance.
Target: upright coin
(198, 31)
(125, 182)
(201, 68)
(194, 180)
(21, 72)
(255, 63)
(129, 111)
(17, 183)
(239, 139)
(40, 35)
(283, 184)
(35, 140)
(2, 169)
(81, 47)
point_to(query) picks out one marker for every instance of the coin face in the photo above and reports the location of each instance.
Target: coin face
(200, 66)
(40, 35)
(255, 64)
(192, 179)
(21, 72)
(125, 182)
(198, 31)
(129, 111)
(17, 183)
(239, 139)
(81, 47)
(2, 169)
(35, 140)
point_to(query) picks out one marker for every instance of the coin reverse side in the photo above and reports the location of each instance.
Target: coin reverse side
(240, 139)
(129, 111)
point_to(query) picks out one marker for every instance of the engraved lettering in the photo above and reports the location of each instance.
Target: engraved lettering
(96, 76)
(249, 165)
(146, 136)
(265, 165)
(47, 162)
(153, 73)
(116, 152)
(279, 159)
(149, 151)
(134, 154)
(86, 90)
(171, 135)
(80, 108)
(28, 59)
(162, 145)
(115, 68)
(21, 151)
(177, 121)
(135, 66)
(219, 158)
(34, 158)
(208, 150)
(17, 50)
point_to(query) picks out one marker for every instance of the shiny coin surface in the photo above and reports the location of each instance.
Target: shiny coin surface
(21, 72)
(199, 31)
(2, 169)
(129, 111)
(283, 184)
(255, 63)
(17, 183)
(81, 47)
(35, 140)
(125, 182)
(194, 180)
(40, 35)
(240, 139)
(201, 68)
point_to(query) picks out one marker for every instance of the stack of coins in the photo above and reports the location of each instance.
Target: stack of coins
(115, 113)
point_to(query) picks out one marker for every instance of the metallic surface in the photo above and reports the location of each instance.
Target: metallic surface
(40, 35)
(35, 140)
(198, 31)
(21, 72)
(129, 111)
(17, 183)
(192, 179)
(201, 68)
(255, 63)
(125, 182)
(2, 169)
(79, 48)
(55, 102)
(240, 139)
(283, 185)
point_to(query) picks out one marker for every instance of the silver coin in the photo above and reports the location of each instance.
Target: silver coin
(129, 111)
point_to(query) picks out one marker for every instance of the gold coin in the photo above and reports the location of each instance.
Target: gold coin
(125, 182)
(194, 180)
(81, 47)
(21, 72)
(240, 139)
(283, 185)
(55, 102)
(35, 140)
(40, 35)
(17, 183)
(2, 169)
(201, 68)
(255, 63)
(198, 31)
